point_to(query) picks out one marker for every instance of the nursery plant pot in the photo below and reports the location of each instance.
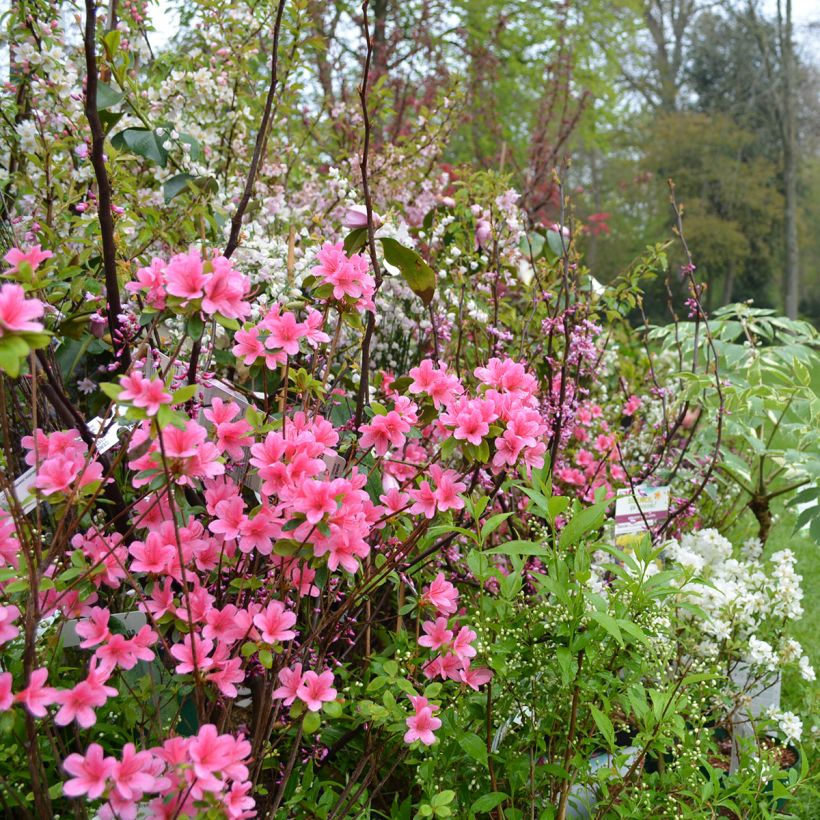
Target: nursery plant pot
(583, 798)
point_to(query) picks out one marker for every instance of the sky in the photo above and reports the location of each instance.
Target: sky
(804, 12)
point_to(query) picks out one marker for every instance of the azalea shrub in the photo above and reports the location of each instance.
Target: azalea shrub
(308, 473)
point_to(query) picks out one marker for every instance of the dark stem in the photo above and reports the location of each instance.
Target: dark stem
(261, 137)
(361, 398)
(109, 247)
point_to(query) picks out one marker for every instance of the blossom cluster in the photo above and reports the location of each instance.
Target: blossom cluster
(188, 775)
(189, 283)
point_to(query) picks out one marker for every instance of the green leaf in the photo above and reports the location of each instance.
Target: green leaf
(195, 327)
(492, 524)
(518, 548)
(609, 624)
(557, 244)
(443, 798)
(107, 97)
(604, 725)
(414, 270)
(111, 390)
(176, 185)
(143, 142)
(355, 240)
(111, 41)
(196, 149)
(487, 802)
(11, 356)
(532, 244)
(312, 722)
(184, 394)
(474, 746)
(588, 519)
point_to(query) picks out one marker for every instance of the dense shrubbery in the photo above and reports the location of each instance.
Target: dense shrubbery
(322, 527)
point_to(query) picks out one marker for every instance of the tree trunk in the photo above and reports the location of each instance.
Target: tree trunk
(790, 169)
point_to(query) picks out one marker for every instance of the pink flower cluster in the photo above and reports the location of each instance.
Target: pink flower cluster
(505, 412)
(189, 283)
(185, 453)
(597, 463)
(334, 515)
(454, 646)
(348, 277)
(62, 462)
(277, 336)
(188, 775)
(149, 394)
(312, 688)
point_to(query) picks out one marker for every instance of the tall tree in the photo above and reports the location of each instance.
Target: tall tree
(779, 64)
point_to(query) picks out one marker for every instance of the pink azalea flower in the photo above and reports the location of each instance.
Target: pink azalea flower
(94, 629)
(436, 634)
(161, 600)
(441, 594)
(78, 704)
(462, 644)
(290, 680)
(631, 405)
(16, 312)
(209, 751)
(132, 774)
(475, 677)
(8, 631)
(230, 516)
(6, 697)
(274, 623)
(90, 771)
(383, 432)
(118, 651)
(228, 624)
(238, 801)
(154, 555)
(227, 676)
(152, 280)
(184, 275)
(257, 533)
(33, 256)
(248, 347)
(315, 689)
(315, 499)
(37, 696)
(284, 332)
(421, 726)
(146, 393)
(192, 654)
(225, 290)
(425, 500)
(445, 666)
(447, 488)
(314, 335)
(343, 548)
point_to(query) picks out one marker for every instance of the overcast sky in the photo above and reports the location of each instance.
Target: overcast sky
(805, 12)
